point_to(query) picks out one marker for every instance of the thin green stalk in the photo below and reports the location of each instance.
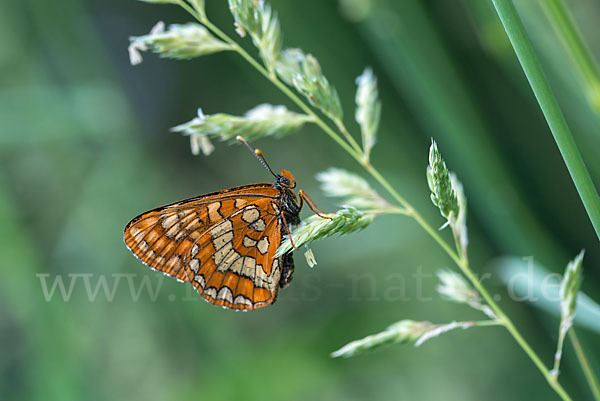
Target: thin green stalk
(406, 207)
(559, 350)
(567, 31)
(483, 323)
(547, 101)
(342, 128)
(398, 210)
(462, 251)
(585, 365)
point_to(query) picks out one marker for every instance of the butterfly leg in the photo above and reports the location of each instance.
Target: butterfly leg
(287, 270)
(311, 205)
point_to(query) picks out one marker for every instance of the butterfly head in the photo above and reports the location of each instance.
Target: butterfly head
(286, 179)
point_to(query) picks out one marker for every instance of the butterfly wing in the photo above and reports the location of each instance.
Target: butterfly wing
(234, 264)
(222, 242)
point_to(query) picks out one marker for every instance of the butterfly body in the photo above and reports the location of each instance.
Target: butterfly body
(224, 243)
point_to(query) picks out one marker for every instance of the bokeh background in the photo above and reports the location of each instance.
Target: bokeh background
(85, 146)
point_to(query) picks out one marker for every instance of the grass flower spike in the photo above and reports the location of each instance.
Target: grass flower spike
(569, 288)
(263, 120)
(310, 258)
(201, 143)
(256, 18)
(178, 41)
(303, 72)
(459, 223)
(355, 190)
(456, 288)
(368, 110)
(438, 178)
(404, 332)
(344, 221)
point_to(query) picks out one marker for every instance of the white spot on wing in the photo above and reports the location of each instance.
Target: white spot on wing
(261, 279)
(225, 294)
(223, 239)
(168, 221)
(180, 235)
(236, 267)
(242, 300)
(263, 245)
(232, 257)
(136, 233)
(258, 225)
(172, 231)
(250, 214)
(211, 292)
(221, 228)
(194, 265)
(173, 262)
(249, 242)
(275, 275)
(151, 236)
(248, 267)
(221, 253)
(199, 278)
(213, 212)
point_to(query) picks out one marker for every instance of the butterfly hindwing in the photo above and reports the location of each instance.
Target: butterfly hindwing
(233, 263)
(222, 242)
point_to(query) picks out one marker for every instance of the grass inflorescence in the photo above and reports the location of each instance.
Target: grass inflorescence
(299, 76)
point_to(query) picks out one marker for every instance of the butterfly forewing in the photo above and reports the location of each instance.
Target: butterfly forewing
(224, 243)
(235, 267)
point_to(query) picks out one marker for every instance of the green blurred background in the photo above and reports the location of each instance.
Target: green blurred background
(85, 146)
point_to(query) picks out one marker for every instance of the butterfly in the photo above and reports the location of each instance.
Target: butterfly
(224, 243)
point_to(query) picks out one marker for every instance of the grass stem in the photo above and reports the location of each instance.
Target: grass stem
(559, 350)
(560, 130)
(342, 128)
(585, 365)
(584, 61)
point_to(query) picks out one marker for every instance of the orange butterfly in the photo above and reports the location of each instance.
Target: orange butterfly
(224, 242)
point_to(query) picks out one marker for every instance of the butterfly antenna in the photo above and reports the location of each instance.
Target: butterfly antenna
(259, 155)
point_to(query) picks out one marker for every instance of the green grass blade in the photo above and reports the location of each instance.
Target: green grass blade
(567, 31)
(547, 101)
